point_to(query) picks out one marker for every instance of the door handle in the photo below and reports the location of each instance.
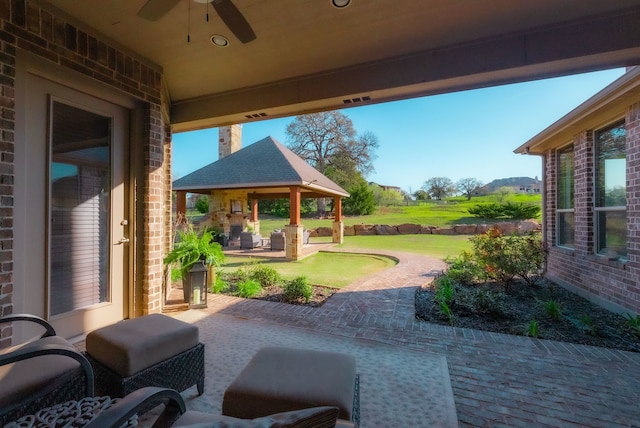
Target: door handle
(123, 240)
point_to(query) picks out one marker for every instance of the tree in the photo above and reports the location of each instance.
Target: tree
(329, 143)
(421, 195)
(439, 187)
(503, 193)
(468, 186)
(202, 205)
(360, 201)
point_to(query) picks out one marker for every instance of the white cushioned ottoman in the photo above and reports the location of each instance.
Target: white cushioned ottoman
(153, 350)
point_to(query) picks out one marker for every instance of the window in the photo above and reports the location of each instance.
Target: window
(611, 192)
(565, 235)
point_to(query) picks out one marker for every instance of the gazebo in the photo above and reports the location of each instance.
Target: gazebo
(263, 170)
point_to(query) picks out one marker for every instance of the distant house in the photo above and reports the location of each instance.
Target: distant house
(591, 191)
(385, 187)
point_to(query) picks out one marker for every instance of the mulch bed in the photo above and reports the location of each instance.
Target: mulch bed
(580, 321)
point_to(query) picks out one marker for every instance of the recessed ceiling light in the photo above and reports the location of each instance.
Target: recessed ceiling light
(340, 4)
(220, 41)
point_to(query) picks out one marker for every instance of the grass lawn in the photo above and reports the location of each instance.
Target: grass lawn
(330, 269)
(430, 213)
(439, 246)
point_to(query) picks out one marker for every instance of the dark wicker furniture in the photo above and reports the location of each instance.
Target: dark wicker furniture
(40, 373)
(178, 372)
(153, 350)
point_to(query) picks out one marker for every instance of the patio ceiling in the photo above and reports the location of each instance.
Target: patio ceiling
(309, 56)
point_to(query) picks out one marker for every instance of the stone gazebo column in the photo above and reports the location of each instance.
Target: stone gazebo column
(294, 230)
(338, 226)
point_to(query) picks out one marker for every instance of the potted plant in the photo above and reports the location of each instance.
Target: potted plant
(192, 247)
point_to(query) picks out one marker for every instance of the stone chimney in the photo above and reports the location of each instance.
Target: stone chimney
(229, 140)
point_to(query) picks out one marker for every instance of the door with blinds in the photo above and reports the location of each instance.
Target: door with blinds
(83, 143)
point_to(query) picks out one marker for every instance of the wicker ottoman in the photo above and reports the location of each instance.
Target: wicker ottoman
(279, 379)
(153, 350)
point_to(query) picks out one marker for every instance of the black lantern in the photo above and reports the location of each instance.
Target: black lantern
(198, 280)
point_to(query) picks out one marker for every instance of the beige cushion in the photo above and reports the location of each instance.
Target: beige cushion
(132, 345)
(318, 417)
(282, 379)
(19, 380)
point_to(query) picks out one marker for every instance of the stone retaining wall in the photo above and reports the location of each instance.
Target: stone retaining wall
(507, 228)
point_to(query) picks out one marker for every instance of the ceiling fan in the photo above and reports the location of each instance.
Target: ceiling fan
(228, 12)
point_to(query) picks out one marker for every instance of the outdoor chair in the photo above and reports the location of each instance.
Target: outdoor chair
(249, 240)
(40, 373)
(174, 414)
(278, 241)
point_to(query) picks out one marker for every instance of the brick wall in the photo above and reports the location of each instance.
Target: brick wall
(24, 25)
(613, 284)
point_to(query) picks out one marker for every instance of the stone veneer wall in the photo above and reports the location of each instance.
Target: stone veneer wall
(24, 25)
(611, 283)
(506, 227)
(220, 214)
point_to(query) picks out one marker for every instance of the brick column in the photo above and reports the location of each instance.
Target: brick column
(583, 193)
(633, 192)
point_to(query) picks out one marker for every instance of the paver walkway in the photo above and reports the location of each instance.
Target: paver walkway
(498, 380)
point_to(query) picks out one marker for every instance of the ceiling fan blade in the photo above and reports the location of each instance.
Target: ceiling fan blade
(156, 9)
(234, 20)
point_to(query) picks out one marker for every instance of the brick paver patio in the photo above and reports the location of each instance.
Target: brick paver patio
(498, 380)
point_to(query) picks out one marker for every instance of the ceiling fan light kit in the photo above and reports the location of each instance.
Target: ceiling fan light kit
(340, 4)
(219, 41)
(153, 10)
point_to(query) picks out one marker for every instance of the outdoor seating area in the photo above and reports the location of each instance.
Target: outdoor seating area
(142, 362)
(41, 372)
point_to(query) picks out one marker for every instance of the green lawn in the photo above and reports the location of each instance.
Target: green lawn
(430, 213)
(330, 269)
(439, 246)
(341, 269)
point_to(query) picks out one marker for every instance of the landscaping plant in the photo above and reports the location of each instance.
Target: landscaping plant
(504, 257)
(297, 289)
(248, 288)
(265, 275)
(552, 308)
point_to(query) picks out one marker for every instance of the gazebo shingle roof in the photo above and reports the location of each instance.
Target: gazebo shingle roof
(266, 166)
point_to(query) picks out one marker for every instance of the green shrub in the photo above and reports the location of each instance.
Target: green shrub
(297, 289)
(265, 275)
(520, 210)
(511, 210)
(484, 301)
(464, 269)
(202, 205)
(503, 257)
(220, 285)
(249, 288)
(490, 210)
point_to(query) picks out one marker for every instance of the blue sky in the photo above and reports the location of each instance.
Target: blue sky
(457, 135)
